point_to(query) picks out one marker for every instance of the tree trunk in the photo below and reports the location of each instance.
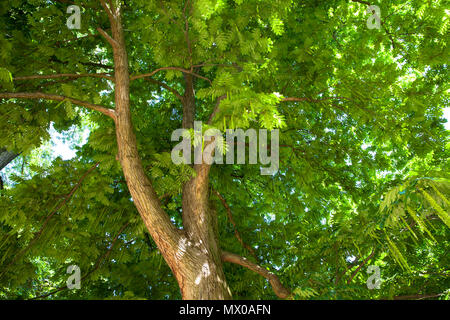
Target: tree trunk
(193, 254)
(205, 277)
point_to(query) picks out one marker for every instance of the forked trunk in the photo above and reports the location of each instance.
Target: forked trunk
(203, 274)
(193, 253)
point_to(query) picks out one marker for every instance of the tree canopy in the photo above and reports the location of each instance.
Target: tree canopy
(363, 176)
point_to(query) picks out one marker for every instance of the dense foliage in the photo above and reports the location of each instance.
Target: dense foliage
(364, 155)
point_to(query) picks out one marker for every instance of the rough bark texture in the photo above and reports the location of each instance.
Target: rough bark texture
(193, 254)
(200, 223)
(6, 157)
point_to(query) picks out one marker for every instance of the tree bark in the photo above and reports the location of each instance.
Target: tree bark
(193, 254)
(6, 157)
(200, 222)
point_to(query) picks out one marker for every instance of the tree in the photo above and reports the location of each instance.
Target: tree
(358, 109)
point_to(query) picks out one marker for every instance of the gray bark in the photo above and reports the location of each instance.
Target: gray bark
(6, 157)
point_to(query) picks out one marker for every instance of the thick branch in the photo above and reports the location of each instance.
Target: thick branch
(6, 157)
(108, 38)
(275, 282)
(158, 223)
(39, 95)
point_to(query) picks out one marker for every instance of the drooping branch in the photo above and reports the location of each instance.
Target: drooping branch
(97, 265)
(275, 282)
(39, 95)
(38, 234)
(236, 231)
(66, 75)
